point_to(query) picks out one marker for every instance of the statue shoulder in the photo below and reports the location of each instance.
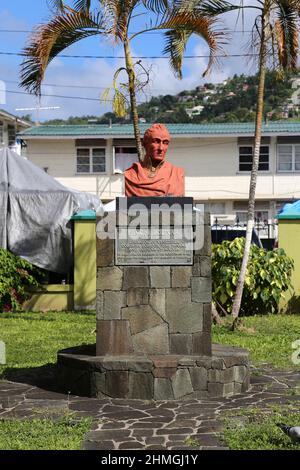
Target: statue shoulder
(134, 168)
(176, 169)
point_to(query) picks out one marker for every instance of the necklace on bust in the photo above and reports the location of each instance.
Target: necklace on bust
(153, 169)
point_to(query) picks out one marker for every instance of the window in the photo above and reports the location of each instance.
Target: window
(91, 160)
(216, 208)
(1, 133)
(288, 157)
(246, 155)
(11, 131)
(124, 158)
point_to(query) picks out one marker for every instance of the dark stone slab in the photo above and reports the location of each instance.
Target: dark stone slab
(202, 343)
(117, 383)
(131, 445)
(207, 318)
(181, 343)
(135, 276)
(137, 296)
(113, 337)
(105, 252)
(141, 385)
(92, 445)
(164, 372)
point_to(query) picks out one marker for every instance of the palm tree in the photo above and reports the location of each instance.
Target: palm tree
(179, 19)
(276, 30)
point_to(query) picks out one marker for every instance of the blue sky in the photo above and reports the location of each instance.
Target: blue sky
(91, 76)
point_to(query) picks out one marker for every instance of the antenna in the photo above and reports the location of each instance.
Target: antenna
(37, 109)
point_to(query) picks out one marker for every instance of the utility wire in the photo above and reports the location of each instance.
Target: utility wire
(22, 54)
(63, 96)
(55, 85)
(131, 32)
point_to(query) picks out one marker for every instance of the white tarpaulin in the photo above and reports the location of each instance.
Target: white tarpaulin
(35, 213)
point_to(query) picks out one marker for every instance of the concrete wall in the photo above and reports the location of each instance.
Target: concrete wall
(210, 164)
(81, 295)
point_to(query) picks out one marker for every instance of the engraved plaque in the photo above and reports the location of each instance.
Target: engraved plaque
(154, 246)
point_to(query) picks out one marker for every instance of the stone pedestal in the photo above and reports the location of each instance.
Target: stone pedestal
(154, 322)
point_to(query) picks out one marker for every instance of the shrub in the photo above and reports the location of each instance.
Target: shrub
(268, 276)
(16, 276)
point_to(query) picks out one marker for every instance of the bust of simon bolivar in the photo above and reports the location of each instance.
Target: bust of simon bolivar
(154, 176)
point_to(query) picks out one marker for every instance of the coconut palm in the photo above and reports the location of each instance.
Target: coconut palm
(275, 37)
(114, 19)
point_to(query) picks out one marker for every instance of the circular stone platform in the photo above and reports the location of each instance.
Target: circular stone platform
(165, 377)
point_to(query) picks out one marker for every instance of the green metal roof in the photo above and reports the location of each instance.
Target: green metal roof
(95, 130)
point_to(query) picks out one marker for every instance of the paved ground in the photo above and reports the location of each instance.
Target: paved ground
(136, 424)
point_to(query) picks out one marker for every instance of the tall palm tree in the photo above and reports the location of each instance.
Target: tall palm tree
(277, 30)
(178, 19)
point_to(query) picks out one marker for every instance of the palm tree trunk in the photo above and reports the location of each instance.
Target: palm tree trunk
(134, 111)
(253, 178)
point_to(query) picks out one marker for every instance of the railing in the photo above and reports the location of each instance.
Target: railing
(265, 233)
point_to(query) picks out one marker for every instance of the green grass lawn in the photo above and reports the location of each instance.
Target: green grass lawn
(269, 338)
(65, 433)
(255, 429)
(33, 339)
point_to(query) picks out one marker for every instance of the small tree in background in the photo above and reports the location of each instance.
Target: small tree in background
(268, 277)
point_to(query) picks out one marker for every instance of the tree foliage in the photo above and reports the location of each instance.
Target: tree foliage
(268, 276)
(16, 276)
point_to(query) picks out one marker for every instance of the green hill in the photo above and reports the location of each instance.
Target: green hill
(234, 100)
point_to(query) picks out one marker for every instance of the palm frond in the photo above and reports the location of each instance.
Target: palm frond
(157, 6)
(52, 38)
(207, 7)
(287, 30)
(119, 103)
(117, 14)
(55, 5)
(176, 40)
(80, 5)
(183, 25)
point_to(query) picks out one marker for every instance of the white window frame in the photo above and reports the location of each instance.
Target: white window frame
(243, 172)
(293, 170)
(115, 170)
(91, 172)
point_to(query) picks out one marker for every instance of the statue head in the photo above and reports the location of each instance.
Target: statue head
(156, 141)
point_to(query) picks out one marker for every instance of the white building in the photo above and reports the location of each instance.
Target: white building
(195, 111)
(216, 159)
(10, 125)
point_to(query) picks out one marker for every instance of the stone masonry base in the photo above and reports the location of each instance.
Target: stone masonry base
(225, 373)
